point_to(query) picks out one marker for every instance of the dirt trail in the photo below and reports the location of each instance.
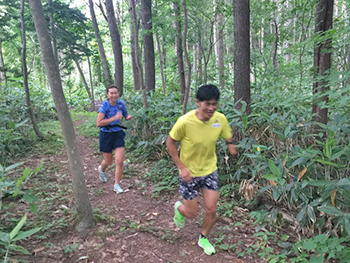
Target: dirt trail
(138, 228)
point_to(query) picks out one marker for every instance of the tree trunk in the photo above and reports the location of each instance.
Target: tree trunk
(188, 80)
(200, 69)
(179, 51)
(83, 78)
(220, 48)
(241, 54)
(137, 57)
(148, 51)
(161, 63)
(90, 77)
(322, 60)
(133, 44)
(25, 75)
(79, 186)
(101, 49)
(274, 29)
(161, 53)
(3, 68)
(53, 35)
(116, 45)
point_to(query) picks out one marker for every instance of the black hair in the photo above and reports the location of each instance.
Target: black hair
(112, 87)
(208, 92)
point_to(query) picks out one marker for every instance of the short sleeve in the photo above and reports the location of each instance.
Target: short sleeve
(124, 110)
(226, 132)
(178, 130)
(103, 108)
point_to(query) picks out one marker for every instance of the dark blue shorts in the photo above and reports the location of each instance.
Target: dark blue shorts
(111, 140)
(190, 190)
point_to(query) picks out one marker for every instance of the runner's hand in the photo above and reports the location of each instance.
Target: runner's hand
(185, 175)
(118, 116)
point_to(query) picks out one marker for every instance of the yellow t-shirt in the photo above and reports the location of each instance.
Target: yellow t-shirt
(198, 141)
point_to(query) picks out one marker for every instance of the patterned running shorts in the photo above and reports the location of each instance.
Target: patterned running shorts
(190, 190)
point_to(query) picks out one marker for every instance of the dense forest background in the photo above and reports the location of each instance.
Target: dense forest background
(283, 68)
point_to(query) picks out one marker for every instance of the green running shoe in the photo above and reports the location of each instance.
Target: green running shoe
(205, 244)
(179, 219)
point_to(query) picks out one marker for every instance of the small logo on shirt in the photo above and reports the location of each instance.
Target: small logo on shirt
(216, 124)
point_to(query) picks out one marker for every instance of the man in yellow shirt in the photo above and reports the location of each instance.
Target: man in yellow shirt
(198, 131)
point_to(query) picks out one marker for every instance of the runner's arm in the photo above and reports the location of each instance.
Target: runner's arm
(184, 172)
(100, 121)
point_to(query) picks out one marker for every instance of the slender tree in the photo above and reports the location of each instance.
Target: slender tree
(25, 75)
(148, 51)
(241, 54)
(137, 56)
(79, 185)
(179, 50)
(220, 47)
(2, 68)
(53, 31)
(134, 47)
(107, 77)
(322, 59)
(188, 63)
(116, 45)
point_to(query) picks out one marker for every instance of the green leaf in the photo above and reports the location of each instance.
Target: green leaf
(331, 210)
(274, 169)
(23, 235)
(4, 237)
(346, 224)
(13, 166)
(19, 249)
(311, 213)
(309, 244)
(270, 177)
(298, 161)
(330, 163)
(18, 227)
(321, 239)
(287, 130)
(320, 183)
(319, 259)
(343, 182)
(33, 208)
(301, 214)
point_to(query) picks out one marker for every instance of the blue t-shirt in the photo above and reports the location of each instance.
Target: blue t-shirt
(108, 110)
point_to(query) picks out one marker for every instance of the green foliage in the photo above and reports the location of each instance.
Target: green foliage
(10, 187)
(8, 240)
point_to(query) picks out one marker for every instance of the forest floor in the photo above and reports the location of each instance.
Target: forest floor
(134, 226)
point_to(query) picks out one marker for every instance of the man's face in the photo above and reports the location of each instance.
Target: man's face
(207, 108)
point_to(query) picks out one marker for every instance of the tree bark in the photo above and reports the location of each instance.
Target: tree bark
(3, 68)
(179, 51)
(81, 73)
(188, 80)
(161, 54)
(241, 54)
(25, 75)
(220, 48)
(53, 35)
(133, 44)
(116, 45)
(79, 186)
(148, 51)
(322, 60)
(90, 77)
(137, 57)
(107, 76)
